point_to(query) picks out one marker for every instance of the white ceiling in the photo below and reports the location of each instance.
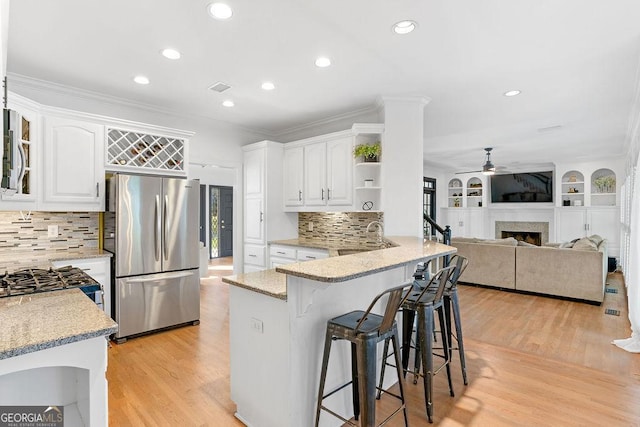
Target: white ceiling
(575, 62)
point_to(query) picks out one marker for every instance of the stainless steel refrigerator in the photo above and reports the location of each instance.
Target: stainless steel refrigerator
(151, 226)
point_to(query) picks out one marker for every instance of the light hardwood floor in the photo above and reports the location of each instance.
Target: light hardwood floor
(531, 360)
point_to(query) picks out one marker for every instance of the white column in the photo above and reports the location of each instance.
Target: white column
(402, 169)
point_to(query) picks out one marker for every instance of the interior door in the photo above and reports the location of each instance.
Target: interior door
(138, 210)
(226, 221)
(180, 227)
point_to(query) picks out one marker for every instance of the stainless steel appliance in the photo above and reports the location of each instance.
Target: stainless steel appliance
(151, 226)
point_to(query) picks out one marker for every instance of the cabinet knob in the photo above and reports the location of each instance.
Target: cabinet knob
(299, 195)
(323, 194)
(328, 194)
(261, 215)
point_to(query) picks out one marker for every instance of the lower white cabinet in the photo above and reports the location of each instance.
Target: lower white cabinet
(254, 257)
(281, 255)
(464, 222)
(572, 223)
(100, 270)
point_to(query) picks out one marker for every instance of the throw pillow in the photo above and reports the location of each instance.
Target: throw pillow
(585, 244)
(595, 239)
(566, 245)
(520, 243)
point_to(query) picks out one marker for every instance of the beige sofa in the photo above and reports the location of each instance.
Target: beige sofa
(564, 272)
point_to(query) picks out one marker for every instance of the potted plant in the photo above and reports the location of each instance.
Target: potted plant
(605, 184)
(368, 152)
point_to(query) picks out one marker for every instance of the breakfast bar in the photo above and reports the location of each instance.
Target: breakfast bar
(277, 326)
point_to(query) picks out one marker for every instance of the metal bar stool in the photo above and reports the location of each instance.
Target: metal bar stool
(425, 304)
(451, 303)
(365, 330)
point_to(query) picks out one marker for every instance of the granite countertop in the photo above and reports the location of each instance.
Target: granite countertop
(331, 245)
(339, 268)
(49, 319)
(347, 267)
(17, 260)
(268, 282)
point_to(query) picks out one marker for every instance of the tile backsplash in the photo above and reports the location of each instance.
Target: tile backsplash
(29, 233)
(340, 227)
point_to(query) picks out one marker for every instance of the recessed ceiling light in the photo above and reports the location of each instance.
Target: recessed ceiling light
(141, 80)
(220, 11)
(171, 53)
(228, 103)
(323, 62)
(404, 27)
(512, 93)
(268, 86)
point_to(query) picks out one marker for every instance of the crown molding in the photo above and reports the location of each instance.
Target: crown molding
(26, 82)
(328, 120)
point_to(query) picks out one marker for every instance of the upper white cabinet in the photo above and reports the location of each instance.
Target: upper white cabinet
(340, 172)
(294, 173)
(27, 166)
(580, 222)
(315, 174)
(73, 165)
(320, 172)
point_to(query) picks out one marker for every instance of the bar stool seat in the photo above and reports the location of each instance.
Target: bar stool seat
(365, 330)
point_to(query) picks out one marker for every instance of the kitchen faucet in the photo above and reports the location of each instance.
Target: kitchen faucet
(380, 230)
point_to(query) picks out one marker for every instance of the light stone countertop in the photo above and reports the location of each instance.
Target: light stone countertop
(268, 282)
(16, 260)
(340, 268)
(49, 319)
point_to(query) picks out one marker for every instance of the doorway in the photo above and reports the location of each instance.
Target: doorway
(220, 221)
(429, 203)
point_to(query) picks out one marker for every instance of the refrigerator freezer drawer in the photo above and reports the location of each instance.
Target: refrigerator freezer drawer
(155, 301)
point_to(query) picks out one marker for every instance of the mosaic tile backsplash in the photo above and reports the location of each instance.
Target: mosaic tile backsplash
(349, 228)
(28, 234)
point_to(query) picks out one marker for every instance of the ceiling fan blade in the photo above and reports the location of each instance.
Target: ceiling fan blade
(460, 173)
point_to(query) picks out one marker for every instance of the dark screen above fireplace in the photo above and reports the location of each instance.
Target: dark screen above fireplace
(530, 187)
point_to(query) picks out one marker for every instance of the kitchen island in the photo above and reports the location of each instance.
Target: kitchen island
(53, 352)
(277, 327)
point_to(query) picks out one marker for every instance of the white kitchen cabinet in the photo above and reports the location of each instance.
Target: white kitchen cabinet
(282, 255)
(73, 165)
(308, 254)
(340, 172)
(328, 173)
(264, 216)
(294, 173)
(100, 270)
(315, 174)
(29, 142)
(572, 223)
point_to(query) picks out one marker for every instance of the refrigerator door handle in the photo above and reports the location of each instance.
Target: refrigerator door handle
(158, 229)
(176, 275)
(166, 226)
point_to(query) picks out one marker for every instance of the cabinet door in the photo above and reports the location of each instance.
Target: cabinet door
(254, 172)
(73, 165)
(570, 224)
(293, 176)
(475, 223)
(315, 174)
(254, 220)
(340, 172)
(606, 223)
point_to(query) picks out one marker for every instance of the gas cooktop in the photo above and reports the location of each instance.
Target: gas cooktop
(33, 280)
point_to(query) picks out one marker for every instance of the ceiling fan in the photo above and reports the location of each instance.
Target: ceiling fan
(488, 168)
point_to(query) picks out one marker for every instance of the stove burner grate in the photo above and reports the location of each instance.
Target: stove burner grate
(33, 280)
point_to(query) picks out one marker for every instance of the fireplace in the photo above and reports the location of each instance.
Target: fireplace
(527, 231)
(533, 237)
